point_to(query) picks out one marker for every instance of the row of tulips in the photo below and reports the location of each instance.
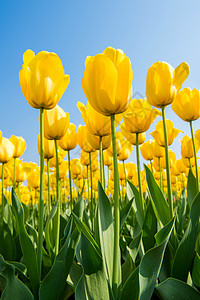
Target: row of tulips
(75, 231)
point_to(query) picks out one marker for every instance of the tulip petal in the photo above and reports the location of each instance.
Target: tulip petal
(181, 74)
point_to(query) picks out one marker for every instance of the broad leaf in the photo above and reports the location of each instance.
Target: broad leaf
(151, 262)
(158, 198)
(176, 289)
(185, 252)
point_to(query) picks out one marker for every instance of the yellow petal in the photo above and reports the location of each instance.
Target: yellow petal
(181, 74)
(28, 56)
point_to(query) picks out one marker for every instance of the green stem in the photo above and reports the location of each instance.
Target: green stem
(160, 170)
(124, 170)
(48, 187)
(195, 155)
(58, 200)
(92, 199)
(41, 202)
(14, 180)
(139, 175)
(116, 256)
(169, 186)
(101, 163)
(2, 191)
(108, 179)
(70, 180)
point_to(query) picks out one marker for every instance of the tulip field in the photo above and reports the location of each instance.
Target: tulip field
(96, 227)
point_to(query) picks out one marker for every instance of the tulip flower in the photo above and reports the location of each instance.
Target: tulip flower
(94, 141)
(158, 133)
(163, 82)
(186, 147)
(48, 148)
(42, 79)
(186, 104)
(139, 116)
(107, 81)
(67, 143)
(43, 83)
(162, 85)
(147, 150)
(96, 123)
(107, 84)
(131, 137)
(20, 145)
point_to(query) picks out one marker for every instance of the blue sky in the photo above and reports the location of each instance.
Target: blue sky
(147, 31)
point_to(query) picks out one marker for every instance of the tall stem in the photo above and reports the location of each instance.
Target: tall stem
(139, 175)
(41, 202)
(14, 180)
(48, 187)
(2, 190)
(195, 155)
(70, 180)
(101, 163)
(116, 256)
(58, 199)
(169, 186)
(92, 199)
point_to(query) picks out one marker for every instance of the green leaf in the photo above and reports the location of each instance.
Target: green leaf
(47, 230)
(151, 262)
(93, 283)
(149, 228)
(132, 193)
(186, 250)
(158, 198)
(83, 228)
(7, 245)
(124, 213)
(53, 284)
(26, 245)
(131, 288)
(133, 248)
(175, 289)
(106, 231)
(191, 187)
(14, 289)
(196, 271)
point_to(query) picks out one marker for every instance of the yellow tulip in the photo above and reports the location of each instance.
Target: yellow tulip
(20, 145)
(7, 150)
(42, 79)
(56, 122)
(158, 134)
(33, 179)
(83, 140)
(119, 144)
(131, 170)
(107, 159)
(139, 116)
(131, 137)
(163, 82)
(23, 170)
(180, 166)
(126, 151)
(63, 169)
(69, 140)
(0, 136)
(96, 123)
(76, 167)
(85, 159)
(187, 104)
(187, 150)
(147, 150)
(94, 141)
(158, 150)
(107, 81)
(49, 148)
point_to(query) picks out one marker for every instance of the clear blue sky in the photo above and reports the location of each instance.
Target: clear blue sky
(147, 31)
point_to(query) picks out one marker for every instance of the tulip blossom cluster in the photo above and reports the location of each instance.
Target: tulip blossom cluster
(101, 199)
